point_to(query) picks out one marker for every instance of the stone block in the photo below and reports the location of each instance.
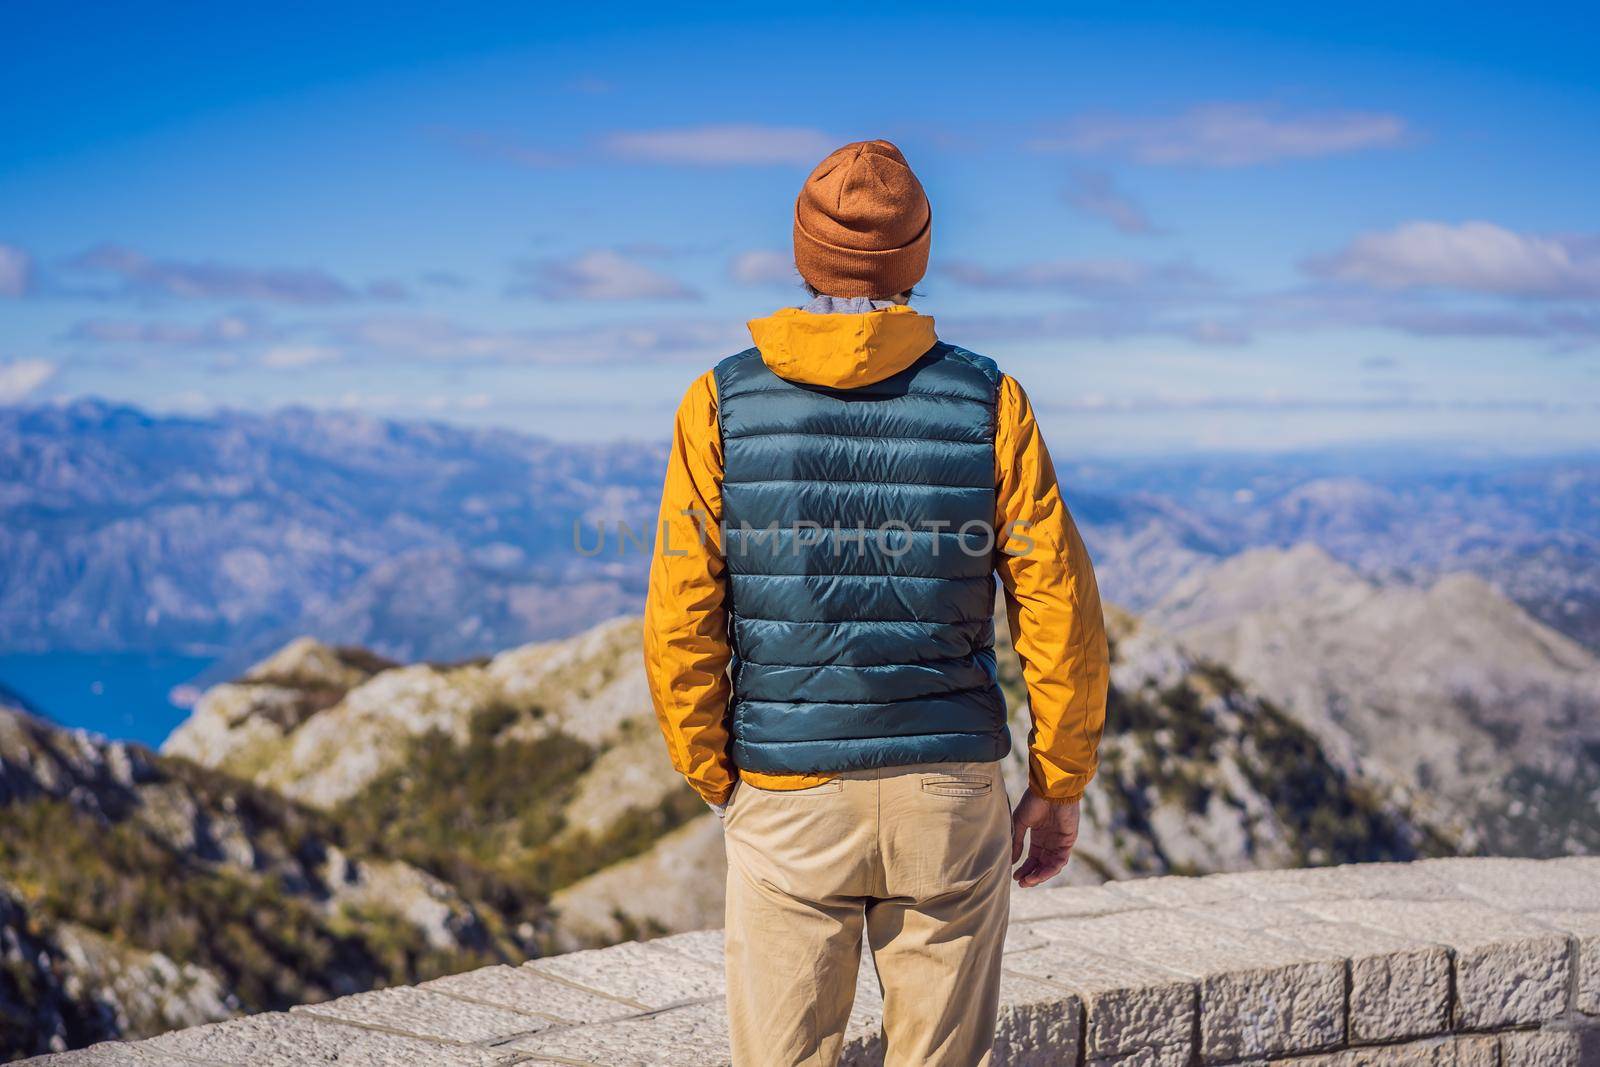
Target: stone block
(1259, 995)
(694, 1034)
(1477, 1051)
(1509, 970)
(638, 971)
(429, 1014)
(1584, 926)
(1039, 1024)
(1129, 1009)
(281, 1039)
(525, 990)
(1399, 986)
(1550, 1048)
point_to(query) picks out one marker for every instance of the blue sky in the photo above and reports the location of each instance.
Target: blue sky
(1178, 227)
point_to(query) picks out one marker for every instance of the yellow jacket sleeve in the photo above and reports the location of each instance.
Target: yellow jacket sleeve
(1053, 605)
(686, 646)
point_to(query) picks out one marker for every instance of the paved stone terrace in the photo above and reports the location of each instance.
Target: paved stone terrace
(1470, 962)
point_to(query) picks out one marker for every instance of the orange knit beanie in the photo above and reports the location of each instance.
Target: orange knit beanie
(861, 224)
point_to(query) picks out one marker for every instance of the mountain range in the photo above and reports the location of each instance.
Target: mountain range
(229, 534)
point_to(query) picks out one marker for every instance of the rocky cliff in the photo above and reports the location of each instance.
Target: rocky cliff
(140, 892)
(544, 763)
(1449, 689)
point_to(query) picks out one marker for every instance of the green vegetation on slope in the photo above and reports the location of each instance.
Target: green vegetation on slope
(272, 947)
(488, 814)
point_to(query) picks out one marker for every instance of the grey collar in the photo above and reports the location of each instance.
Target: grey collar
(844, 305)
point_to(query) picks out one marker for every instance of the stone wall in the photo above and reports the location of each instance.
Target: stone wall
(1472, 962)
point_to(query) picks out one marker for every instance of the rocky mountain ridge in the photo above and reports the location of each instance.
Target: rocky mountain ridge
(1448, 688)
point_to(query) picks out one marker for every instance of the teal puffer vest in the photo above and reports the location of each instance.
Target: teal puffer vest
(858, 527)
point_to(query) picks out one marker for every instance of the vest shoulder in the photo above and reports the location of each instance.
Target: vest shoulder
(739, 367)
(981, 364)
(736, 362)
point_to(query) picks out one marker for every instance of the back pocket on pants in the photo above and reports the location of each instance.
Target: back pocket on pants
(957, 785)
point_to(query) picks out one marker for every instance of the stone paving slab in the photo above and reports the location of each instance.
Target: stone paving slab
(1069, 901)
(706, 946)
(1021, 937)
(285, 1039)
(695, 1034)
(637, 971)
(1399, 987)
(525, 990)
(428, 1014)
(1509, 970)
(1247, 913)
(1521, 885)
(1401, 881)
(1130, 1009)
(107, 1054)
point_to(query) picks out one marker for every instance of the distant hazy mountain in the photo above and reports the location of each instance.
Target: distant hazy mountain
(231, 533)
(1530, 527)
(1450, 688)
(128, 531)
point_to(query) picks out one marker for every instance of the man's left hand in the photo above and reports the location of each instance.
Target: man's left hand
(1051, 831)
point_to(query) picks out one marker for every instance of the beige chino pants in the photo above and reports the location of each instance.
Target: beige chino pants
(916, 857)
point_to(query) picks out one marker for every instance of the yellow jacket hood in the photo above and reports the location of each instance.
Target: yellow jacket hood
(842, 351)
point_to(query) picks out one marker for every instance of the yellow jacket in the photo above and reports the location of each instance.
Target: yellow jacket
(1052, 601)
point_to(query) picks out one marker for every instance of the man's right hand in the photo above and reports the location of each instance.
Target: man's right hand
(1051, 830)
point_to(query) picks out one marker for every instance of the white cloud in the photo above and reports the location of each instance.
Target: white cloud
(293, 357)
(722, 146)
(431, 338)
(16, 271)
(1095, 193)
(763, 267)
(1228, 135)
(1473, 256)
(1083, 276)
(20, 378)
(138, 275)
(224, 329)
(601, 274)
